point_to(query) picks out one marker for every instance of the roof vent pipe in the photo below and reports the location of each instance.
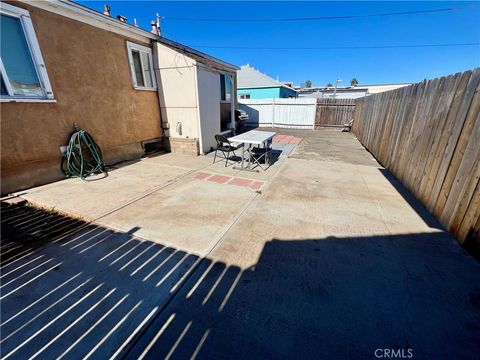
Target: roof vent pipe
(154, 27)
(123, 19)
(106, 10)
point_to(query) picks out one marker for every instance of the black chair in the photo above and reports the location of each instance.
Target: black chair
(225, 147)
(263, 155)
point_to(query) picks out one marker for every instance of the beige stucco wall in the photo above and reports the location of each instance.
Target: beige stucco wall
(90, 76)
(177, 92)
(189, 94)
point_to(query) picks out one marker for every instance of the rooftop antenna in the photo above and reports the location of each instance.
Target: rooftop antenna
(158, 24)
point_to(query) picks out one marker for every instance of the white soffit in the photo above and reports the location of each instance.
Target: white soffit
(92, 17)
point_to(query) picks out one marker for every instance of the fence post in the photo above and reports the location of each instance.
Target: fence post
(273, 112)
(314, 114)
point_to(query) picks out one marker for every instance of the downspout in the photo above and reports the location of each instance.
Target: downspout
(233, 95)
(156, 74)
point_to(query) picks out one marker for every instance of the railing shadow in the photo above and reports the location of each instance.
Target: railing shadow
(75, 290)
(99, 293)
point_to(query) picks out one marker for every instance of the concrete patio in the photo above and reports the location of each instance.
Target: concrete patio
(323, 255)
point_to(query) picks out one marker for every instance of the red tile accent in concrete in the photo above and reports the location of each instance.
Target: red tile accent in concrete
(257, 185)
(202, 175)
(229, 180)
(278, 138)
(220, 179)
(286, 139)
(240, 182)
(295, 140)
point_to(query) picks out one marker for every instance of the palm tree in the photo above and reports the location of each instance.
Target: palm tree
(354, 82)
(329, 85)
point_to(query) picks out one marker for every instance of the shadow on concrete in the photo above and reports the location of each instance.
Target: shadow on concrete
(416, 205)
(101, 293)
(74, 290)
(235, 160)
(332, 298)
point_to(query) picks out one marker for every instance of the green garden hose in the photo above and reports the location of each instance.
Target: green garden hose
(83, 156)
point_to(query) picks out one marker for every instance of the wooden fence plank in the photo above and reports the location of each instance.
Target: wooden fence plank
(334, 112)
(428, 136)
(455, 147)
(468, 170)
(440, 162)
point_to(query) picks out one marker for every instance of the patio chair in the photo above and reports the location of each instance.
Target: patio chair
(263, 155)
(225, 147)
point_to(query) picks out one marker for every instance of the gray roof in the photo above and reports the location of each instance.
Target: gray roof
(248, 77)
(197, 55)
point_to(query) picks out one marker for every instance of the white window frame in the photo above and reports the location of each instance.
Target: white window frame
(133, 46)
(37, 58)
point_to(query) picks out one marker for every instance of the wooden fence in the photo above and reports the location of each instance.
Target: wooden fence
(334, 112)
(428, 136)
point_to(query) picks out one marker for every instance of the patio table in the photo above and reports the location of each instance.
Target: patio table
(252, 137)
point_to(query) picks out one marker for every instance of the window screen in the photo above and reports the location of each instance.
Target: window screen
(17, 60)
(223, 95)
(137, 65)
(146, 69)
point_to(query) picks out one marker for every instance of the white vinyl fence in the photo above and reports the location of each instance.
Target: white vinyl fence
(295, 113)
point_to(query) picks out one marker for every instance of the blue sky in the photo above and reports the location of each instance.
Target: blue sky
(369, 66)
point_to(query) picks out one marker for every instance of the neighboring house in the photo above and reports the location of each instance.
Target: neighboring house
(252, 84)
(64, 64)
(348, 92)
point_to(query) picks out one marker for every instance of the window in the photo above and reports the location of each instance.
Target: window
(244, 96)
(225, 87)
(141, 65)
(22, 71)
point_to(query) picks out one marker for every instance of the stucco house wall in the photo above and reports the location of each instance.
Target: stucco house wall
(189, 97)
(177, 91)
(90, 76)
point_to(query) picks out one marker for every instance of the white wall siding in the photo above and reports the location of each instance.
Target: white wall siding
(295, 113)
(209, 101)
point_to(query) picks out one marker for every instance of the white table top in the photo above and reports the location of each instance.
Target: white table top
(256, 137)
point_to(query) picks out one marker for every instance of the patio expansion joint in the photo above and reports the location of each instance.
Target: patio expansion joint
(90, 221)
(253, 184)
(206, 255)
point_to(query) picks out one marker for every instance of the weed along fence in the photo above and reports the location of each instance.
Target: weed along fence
(298, 113)
(334, 112)
(428, 136)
